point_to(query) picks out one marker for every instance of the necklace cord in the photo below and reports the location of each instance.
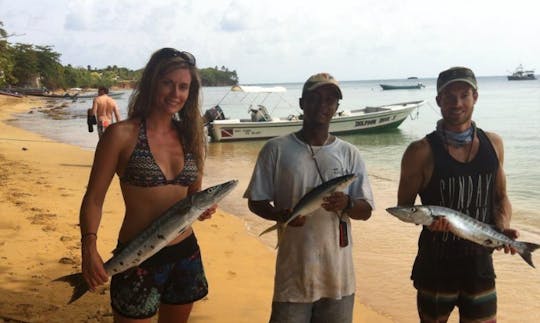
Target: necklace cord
(320, 174)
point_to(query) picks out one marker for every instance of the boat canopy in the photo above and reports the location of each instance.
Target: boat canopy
(258, 89)
(253, 98)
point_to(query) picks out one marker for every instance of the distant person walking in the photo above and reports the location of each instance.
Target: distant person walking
(103, 109)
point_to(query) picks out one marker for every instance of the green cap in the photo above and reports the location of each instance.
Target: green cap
(318, 80)
(456, 74)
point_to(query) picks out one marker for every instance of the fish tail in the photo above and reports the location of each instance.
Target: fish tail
(79, 285)
(279, 227)
(279, 235)
(272, 228)
(527, 254)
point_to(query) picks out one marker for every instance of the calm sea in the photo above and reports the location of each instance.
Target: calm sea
(385, 247)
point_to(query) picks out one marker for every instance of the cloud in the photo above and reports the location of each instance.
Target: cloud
(234, 18)
(283, 40)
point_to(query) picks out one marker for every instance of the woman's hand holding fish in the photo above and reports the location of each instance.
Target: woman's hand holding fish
(208, 213)
(92, 265)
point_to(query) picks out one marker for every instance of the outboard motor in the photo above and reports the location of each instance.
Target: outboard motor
(214, 113)
(260, 114)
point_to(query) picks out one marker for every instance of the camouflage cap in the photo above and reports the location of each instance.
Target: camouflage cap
(318, 80)
(456, 74)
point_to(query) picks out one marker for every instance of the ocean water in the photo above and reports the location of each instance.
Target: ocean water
(384, 247)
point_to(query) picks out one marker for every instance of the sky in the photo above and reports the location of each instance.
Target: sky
(281, 41)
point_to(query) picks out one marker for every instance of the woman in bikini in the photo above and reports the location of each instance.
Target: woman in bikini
(158, 155)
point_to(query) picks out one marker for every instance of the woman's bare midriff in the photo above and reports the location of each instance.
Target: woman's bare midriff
(146, 204)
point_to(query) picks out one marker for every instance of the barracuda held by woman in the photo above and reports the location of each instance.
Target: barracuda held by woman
(464, 227)
(160, 233)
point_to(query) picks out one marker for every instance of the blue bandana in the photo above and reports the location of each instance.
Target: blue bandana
(456, 139)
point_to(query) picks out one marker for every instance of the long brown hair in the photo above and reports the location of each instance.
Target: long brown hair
(188, 121)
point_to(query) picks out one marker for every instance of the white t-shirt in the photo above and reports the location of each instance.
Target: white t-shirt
(310, 263)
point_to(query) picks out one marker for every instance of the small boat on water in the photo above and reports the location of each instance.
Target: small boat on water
(74, 96)
(93, 95)
(416, 86)
(27, 90)
(262, 125)
(520, 74)
(53, 96)
(10, 93)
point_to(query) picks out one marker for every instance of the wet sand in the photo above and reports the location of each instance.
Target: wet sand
(41, 186)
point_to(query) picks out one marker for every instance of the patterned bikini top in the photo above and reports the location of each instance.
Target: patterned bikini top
(142, 169)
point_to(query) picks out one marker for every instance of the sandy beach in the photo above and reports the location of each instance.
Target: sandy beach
(41, 186)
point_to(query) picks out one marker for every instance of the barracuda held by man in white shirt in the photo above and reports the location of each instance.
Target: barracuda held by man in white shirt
(313, 199)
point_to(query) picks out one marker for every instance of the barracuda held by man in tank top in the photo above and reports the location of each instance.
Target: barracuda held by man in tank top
(464, 227)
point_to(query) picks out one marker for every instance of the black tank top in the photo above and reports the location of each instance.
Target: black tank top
(465, 187)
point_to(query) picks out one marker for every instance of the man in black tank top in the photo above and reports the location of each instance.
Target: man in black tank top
(461, 167)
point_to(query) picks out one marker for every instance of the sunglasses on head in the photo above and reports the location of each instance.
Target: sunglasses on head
(171, 52)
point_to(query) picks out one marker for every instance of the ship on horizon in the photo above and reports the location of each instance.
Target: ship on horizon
(521, 74)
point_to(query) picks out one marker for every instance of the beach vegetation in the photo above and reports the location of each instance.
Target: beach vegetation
(6, 63)
(28, 65)
(214, 76)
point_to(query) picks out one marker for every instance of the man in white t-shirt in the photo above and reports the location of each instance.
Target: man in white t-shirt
(314, 279)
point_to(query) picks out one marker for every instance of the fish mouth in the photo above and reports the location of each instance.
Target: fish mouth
(226, 187)
(394, 210)
(230, 184)
(401, 213)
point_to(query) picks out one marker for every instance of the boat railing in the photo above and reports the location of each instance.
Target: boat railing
(370, 110)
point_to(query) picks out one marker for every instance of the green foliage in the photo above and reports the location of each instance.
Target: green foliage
(49, 67)
(6, 60)
(218, 77)
(25, 70)
(39, 66)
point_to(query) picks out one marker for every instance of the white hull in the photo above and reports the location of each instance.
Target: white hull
(362, 120)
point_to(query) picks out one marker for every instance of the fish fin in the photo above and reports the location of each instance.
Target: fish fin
(272, 228)
(280, 230)
(77, 282)
(527, 254)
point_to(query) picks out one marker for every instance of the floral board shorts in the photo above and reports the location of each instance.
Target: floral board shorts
(174, 275)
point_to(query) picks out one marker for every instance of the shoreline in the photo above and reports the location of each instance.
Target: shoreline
(43, 182)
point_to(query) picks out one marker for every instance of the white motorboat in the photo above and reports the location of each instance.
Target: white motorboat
(262, 125)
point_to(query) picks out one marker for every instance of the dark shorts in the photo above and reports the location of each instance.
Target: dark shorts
(322, 311)
(466, 282)
(475, 298)
(174, 275)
